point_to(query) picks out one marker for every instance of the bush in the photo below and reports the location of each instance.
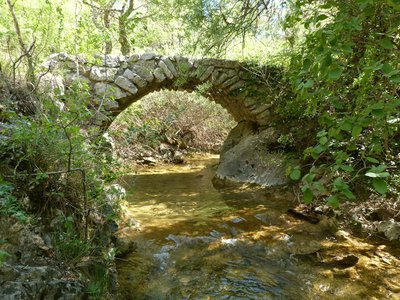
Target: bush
(181, 120)
(51, 158)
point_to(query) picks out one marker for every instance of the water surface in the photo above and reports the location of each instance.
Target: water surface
(192, 241)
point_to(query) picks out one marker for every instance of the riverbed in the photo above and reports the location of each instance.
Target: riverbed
(193, 241)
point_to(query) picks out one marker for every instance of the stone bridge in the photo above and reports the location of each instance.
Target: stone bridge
(247, 91)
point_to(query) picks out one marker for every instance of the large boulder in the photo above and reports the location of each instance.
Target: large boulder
(247, 157)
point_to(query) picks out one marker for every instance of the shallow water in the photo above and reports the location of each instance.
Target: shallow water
(192, 241)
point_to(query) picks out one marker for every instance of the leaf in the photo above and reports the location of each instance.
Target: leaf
(295, 174)
(377, 175)
(339, 185)
(386, 43)
(308, 195)
(380, 185)
(378, 169)
(379, 113)
(346, 168)
(323, 140)
(335, 73)
(373, 160)
(348, 194)
(320, 187)
(309, 83)
(337, 104)
(319, 149)
(346, 126)
(356, 131)
(322, 17)
(333, 201)
(395, 78)
(308, 177)
(387, 69)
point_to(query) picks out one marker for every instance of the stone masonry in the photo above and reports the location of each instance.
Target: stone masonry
(117, 81)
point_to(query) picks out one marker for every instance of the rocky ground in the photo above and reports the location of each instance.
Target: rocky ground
(31, 268)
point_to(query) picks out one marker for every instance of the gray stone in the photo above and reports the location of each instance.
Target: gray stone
(98, 118)
(135, 78)
(109, 60)
(133, 58)
(214, 76)
(245, 158)
(183, 65)
(107, 103)
(249, 103)
(170, 66)
(106, 90)
(230, 82)
(59, 56)
(144, 69)
(147, 56)
(261, 108)
(52, 82)
(264, 117)
(207, 73)
(75, 78)
(102, 73)
(390, 228)
(220, 63)
(159, 75)
(222, 77)
(76, 67)
(126, 84)
(164, 67)
(235, 86)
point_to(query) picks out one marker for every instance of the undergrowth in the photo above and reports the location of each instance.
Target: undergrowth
(167, 122)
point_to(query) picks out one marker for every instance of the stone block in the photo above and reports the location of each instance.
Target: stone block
(235, 86)
(221, 78)
(135, 78)
(126, 84)
(170, 66)
(147, 56)
(102, 73)
(106, 90)
(159, 75)
(164, 67)
(207, 73)
(144, 69)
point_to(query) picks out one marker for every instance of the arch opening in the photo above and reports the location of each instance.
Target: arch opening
(166, 125)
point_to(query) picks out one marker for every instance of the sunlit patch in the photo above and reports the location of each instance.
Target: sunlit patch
(197, 242)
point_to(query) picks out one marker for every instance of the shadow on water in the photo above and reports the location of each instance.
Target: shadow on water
(195, 242)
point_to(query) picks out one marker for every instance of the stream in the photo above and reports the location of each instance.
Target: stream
(192, 241)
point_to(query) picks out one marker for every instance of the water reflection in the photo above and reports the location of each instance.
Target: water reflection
(195, 242)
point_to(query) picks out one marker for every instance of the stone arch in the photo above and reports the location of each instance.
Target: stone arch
(117, 81)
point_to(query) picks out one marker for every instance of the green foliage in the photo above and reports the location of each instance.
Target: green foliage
(49, 162)
(8, 202)
(184, 121)
(346, 73)
(3, 257)
(98, 282)
(68, 244)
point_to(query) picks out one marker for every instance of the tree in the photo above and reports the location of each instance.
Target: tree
(107, 11)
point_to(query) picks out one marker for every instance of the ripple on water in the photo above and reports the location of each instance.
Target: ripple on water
(196, 242)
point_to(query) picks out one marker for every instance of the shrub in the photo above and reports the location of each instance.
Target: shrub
(185, 121)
